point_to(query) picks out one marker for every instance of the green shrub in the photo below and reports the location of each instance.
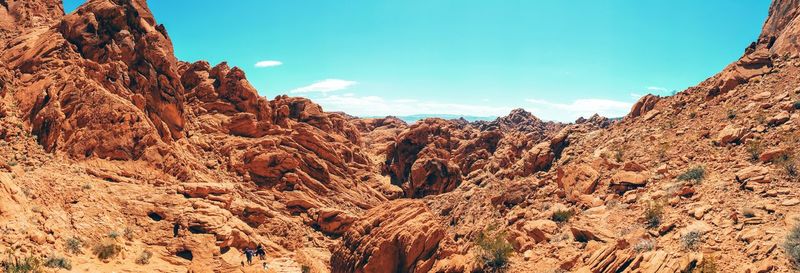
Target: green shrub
(107, 249)
(695, 174)
(56, 261)
(561, 215)
(494, 249)
(644, 246)
(113, 234)
(731, 114)
(796, 104)
(691, 239)
(305, 269)
(653, 214)
(792, 245)
(14, 264)
(754, 148)
(144, 257)
(73, 245)
(128, 233)
(787, 163)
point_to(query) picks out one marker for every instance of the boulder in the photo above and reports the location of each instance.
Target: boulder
(578, 179)
(730, 134)
(624, 181)
(401, 236)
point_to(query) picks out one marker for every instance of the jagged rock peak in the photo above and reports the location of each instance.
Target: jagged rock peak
(781, 30)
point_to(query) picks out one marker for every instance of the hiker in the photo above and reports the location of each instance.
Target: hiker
(248, 252)
(260, 252)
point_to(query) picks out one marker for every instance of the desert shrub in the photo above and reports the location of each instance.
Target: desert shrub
(305, 269)
(561, 215)
(144, 257)
(494, 249)
(113, 234)
(792, 245)
(128, 232)
(691, 239)
(107, 249)
(14, 264)
(619, 153)
(73, 245)
(709, 265)
(754, 149)
(653, 214)
(796, 104)
(662, 151)
(644, 246)
(787, 163)
(56, 261)
(692, 115)
(695, 174)
(86, 186)
(731, 114)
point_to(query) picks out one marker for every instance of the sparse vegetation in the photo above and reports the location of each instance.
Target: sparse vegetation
(107, 249)
(644, 245)
(128, 232)
(305, 269)
(796, 104)
(662, 151)
(144, 257)
(754, 149)
(653, 214)
(691, 239)
(731, 114)
(113, 234)
(788, 164)
(792, 245)
(619, 153)
(709, 265)
(692, 115)
(56, 261)
(73, 245)
(494, 249)
(695, 174)
(561, 215)
(14, 264)
(86, 186)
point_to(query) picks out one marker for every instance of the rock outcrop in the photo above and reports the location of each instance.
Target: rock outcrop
(400, 237)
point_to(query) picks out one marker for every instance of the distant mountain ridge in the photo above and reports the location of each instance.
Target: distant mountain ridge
(414, 118)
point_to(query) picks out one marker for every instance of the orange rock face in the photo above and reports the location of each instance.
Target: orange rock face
(399, 237)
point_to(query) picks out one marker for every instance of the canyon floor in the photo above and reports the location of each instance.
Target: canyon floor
(117, 157)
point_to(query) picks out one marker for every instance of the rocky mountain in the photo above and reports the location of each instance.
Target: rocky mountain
(116, 156)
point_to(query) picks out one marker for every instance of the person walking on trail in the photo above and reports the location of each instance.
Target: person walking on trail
(248, 253)
(260, 252)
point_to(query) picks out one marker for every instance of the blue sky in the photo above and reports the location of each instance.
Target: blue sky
(557, 59)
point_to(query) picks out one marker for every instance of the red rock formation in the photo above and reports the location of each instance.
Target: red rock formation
(402, 236)
(643, 105)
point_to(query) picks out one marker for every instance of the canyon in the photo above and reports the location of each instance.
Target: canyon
(108, 141)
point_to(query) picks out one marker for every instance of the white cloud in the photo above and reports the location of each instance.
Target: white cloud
(568, 112)
(325, 86)
(377, 106)
(656, 89)
(263, 64)
(636, 96)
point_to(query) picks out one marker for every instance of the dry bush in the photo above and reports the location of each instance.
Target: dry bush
(107, 249)
(792, 245)
(494, 249)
